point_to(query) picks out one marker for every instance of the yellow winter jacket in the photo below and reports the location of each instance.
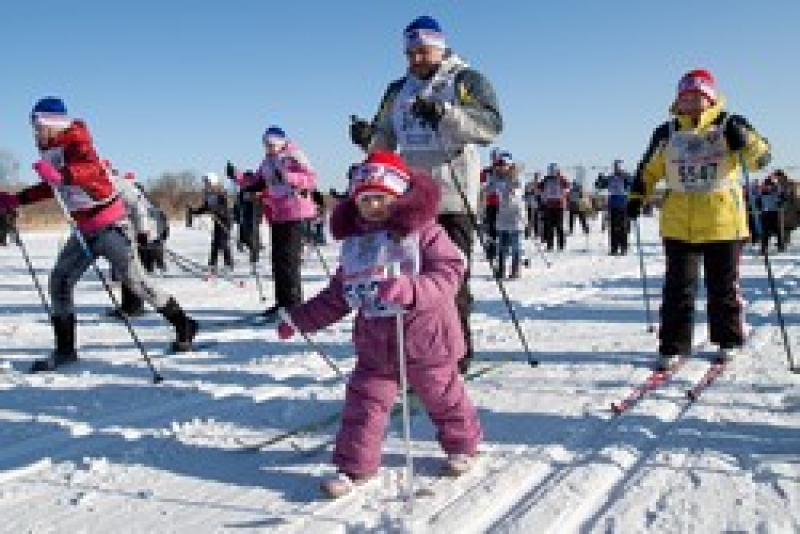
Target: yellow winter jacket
(702, 217)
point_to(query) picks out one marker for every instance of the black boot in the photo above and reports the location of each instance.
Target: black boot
(131, 305)
(185, 327)
(64, 353)
(464, 363)
(514, 269)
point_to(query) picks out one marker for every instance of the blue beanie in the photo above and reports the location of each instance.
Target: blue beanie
(50, 111)
(274, 132)
(505, 158)
(423, 30)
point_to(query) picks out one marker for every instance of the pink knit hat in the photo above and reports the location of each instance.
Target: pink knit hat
(699, 81)
(381, 172)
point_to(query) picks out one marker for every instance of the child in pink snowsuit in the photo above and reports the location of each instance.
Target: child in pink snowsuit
(389, 218)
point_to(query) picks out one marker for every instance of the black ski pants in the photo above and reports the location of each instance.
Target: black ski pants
(221, 243)
(577, 213)
(618, 230)
(721, 273)
(490, 223)
(771, 225)
(554, 226)
(286, 245)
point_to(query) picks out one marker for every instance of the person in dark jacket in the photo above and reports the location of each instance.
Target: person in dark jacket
(617, 184)
(248, 213)
(554, 188)
(215, 204)
(771, 201)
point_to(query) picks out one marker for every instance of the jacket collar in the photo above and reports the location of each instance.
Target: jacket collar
(707, 118)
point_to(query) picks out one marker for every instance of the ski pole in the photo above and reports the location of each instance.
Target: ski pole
(394, 270)
(474, 222)
(254, 269)
(255, 242)
(540, 250)
(194, 271)
(24, 250)
(768, 265)
(643, 276)
(157, 378)
(321, 258)
(175, 256)
(285, 317)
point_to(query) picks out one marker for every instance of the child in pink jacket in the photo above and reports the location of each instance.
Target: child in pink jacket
(286, 180)
(389, 218)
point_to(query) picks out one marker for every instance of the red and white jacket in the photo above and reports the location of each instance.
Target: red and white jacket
(554, 189)
(87, 189)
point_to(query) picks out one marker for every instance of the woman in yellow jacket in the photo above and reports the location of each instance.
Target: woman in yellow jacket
(697, 153)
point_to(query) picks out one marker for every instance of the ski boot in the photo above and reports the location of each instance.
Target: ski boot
(341, 484)
(65, 353)
(457, 464)
(185, 327)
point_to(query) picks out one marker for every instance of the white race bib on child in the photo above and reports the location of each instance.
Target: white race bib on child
(366, 261)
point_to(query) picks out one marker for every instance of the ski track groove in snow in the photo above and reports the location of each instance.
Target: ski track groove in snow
(579, 485)
(583, 510)
(325, 515)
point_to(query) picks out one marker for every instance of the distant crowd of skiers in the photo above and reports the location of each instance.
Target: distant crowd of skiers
(542, 207)
(511, 211)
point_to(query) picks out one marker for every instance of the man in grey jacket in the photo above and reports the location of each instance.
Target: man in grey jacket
(434, 116)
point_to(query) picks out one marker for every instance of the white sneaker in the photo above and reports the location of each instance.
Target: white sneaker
(341, 484)
(457, 464)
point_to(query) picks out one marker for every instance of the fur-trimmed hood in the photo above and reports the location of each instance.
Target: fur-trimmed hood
(410, 212)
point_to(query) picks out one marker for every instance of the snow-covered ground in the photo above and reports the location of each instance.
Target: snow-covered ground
(99, 448)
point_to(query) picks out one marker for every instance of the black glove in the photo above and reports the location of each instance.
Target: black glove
(230, 170)
(634, 208)
(360, 132)
(428, 111)
(736, 134)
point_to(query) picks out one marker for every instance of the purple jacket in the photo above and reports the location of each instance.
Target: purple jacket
(433, 333)
(289, 180)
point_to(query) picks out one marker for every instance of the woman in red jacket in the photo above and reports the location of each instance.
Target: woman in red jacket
(71, 168)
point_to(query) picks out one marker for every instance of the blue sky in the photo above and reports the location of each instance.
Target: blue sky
(185, 85)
